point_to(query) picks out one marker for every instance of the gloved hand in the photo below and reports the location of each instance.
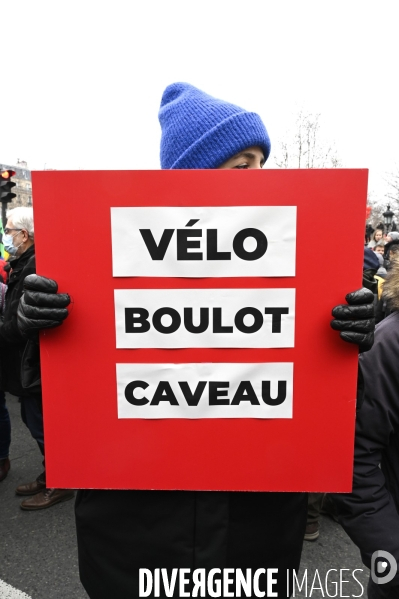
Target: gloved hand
(355, 320)
(41, 307)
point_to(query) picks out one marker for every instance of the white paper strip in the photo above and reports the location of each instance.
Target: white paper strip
(235, 241)
(205, 390)
(170, 318)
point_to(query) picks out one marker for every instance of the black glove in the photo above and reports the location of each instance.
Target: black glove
(355, 320)
(41, 307)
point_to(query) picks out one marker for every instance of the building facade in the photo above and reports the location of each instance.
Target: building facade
(23, 187)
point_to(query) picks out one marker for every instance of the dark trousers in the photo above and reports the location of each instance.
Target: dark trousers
(5, 427)
(314, 506)
(32, 417)
(120, 532)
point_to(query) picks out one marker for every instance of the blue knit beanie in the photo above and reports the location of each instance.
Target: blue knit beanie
(199, 131)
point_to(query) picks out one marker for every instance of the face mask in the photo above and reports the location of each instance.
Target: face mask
(9, 246)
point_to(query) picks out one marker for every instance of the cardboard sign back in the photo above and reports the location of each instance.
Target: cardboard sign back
(88, 446)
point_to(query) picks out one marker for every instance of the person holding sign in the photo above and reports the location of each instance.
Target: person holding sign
(123, 533)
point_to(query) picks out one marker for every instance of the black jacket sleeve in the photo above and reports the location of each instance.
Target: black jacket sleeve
(370, 514)
(9, 330)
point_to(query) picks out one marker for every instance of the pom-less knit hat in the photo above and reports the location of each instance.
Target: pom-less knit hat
(199, 131)
(370, 260)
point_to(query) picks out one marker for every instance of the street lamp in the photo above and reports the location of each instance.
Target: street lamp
(388, 217)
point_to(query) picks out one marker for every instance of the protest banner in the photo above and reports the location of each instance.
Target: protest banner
(198, 352)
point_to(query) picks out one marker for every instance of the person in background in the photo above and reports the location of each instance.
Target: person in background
(312, 531)
(392, 236)
(3, 271)
(376, 237)
(319, 503)
(390, 250)
(20, 367)
(391, 254)
(370, 266)
(5, 423)
(370, 514)
(381, 272)
(121, 531)
(379, 247)
(5, 437)
(2, 253)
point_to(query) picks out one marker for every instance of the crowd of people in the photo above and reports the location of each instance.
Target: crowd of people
(120, 532)
(384, 249)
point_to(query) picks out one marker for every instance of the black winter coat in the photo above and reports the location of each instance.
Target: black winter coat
(370, 514)
(122, 531)
(19, 359)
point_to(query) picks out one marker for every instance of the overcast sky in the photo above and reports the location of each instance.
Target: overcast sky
(86, 77)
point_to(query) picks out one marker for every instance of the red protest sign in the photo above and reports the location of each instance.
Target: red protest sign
(198, 352)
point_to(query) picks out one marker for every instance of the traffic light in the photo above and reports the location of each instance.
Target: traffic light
(6, 185)
(6, 195)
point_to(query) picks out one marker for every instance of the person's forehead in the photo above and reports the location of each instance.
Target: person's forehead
(250, 152)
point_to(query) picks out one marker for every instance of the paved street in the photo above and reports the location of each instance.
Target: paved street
(333, 549)
(38, 549)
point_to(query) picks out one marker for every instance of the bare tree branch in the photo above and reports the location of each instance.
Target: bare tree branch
(392, 180)
(305, 147)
